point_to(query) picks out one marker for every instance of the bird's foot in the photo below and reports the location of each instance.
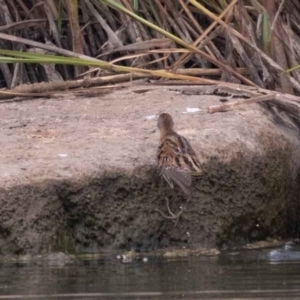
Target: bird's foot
(171, 215)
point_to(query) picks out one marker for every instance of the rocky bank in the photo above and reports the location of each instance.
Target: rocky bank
(78, 174)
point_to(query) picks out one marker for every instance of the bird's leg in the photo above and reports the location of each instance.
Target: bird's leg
(171, 215)
(183, 207)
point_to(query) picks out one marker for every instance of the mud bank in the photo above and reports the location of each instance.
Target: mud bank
(78, 174)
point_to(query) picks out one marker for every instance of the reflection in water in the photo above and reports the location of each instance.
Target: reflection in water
(256, 274)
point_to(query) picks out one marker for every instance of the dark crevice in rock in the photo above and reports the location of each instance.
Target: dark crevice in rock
(246, 199)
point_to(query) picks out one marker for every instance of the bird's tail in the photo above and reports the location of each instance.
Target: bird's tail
(181, 177)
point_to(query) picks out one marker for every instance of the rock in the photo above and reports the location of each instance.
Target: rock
(85, 180)
(175, 253)
(264, 244)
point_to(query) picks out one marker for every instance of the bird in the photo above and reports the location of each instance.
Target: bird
(176, 159)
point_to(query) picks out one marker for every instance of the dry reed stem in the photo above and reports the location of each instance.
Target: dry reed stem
(182, 20)
(232, 105)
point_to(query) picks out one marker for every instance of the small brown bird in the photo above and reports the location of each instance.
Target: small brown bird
(176, 159)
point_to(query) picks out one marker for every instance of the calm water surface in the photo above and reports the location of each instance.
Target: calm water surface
(256, 274)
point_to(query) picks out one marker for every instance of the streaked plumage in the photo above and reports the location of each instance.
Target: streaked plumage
(176, 158)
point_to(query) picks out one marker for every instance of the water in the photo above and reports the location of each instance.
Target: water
(256, 274)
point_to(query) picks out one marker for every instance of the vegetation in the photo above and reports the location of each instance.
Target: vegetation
(254, 42)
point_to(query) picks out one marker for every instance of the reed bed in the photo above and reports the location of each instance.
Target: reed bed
(252, 42)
